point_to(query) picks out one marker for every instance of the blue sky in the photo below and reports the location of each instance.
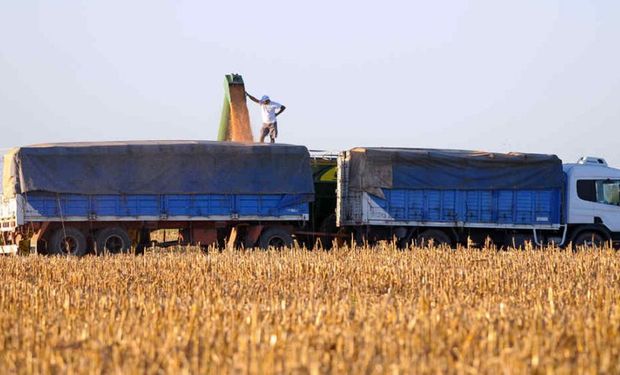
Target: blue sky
(533, 76)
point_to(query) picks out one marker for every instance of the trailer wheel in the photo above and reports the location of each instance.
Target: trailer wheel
(328, 226)
(588, 238)
(113, 240)
(403, 237)
(405, 242)
(361, 238)
(437, 237)
(68, 241)
(275, 237)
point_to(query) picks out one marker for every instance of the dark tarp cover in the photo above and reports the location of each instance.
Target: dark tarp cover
(158, 167)
(372, 169)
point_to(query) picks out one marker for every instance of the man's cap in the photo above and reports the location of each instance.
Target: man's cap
(264, 99)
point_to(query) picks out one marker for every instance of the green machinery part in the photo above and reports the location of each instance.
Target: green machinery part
(224, 131)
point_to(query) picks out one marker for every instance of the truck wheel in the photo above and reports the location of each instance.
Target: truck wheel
(328, 226)
(68, 241)
(405, 242)
(113, 240)
(587, 238)
(403, 237)
(360, 237)
(275, 237)
(438, 238)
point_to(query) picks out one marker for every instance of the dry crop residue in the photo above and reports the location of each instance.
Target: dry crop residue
(361, 311)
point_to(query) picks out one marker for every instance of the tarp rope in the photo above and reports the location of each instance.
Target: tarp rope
(25, 210)
(62, 222)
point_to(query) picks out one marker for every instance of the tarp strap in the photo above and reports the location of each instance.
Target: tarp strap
(25, 209)
(62, 222)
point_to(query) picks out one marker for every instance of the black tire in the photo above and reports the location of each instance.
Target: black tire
(402, 237)
(364, 237)
(112, 240)
(357, 236)
(588, 238)
(68, 241)
(437, 236)
(405, 242)
(328, 226)
(275, 237)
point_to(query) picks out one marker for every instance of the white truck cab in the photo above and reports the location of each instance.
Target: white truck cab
(593, 197)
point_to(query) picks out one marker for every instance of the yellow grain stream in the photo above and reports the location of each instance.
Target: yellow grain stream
(362, 311)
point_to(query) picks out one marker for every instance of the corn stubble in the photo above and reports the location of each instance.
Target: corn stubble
(345, 311)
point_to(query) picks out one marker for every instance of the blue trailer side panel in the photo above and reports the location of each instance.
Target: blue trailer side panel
(198, 205)
(44, 206)
(495, 207)
(444, 188)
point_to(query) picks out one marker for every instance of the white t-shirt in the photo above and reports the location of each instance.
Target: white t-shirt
(269, 112)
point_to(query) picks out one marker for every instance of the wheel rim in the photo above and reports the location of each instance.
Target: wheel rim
(69, 245)
(114, 244)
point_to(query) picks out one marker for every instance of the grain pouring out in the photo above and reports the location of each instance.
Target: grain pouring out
(241, 130)
(235, 120)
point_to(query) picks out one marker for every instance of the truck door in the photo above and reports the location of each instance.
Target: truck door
(580, 204)
(608, 203)
(603, 201)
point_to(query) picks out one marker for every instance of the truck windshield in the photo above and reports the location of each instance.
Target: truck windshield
(608, 192)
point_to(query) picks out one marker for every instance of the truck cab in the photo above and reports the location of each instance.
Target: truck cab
(593, 199)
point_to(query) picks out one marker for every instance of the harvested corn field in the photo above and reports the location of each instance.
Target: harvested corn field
(345, 311)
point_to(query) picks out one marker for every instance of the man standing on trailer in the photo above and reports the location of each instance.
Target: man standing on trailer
(269, 111)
